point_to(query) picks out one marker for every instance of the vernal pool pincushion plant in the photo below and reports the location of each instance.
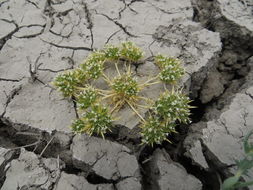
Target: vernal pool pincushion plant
(100, 105)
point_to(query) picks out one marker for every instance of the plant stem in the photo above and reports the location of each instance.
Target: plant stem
(129, 69)
(106, 78)
(80, 88)
(117, 104)
(152, 83)
(103, 90)
(142, 106)
(149, 80)
(102, 94)
(135, 111)
(146, 99)
(108, 96)
(116, 66)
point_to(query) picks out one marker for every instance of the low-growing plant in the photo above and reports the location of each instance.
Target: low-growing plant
(243, 167)
(66, 83)
(131, 52)
(87, 97)
(171, 69)
(99, 107)
(173, 105)
(96, 120)
(155, 130)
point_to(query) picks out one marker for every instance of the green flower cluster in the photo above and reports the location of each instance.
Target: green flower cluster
(92, 68)
(124, 89)
(95, 121)
(154, 131)
(112, 52)
(127, 51)
(173, 106)
(171, 69)
(125, 85)
(131, 52)
(87, 97)
(170, 107)
(94, 65)
(66, 82)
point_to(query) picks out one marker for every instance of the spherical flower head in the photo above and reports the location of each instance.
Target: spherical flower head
(160, 60)
(125, 85)
(78, 126)
(80, 76)
(112, 52)
(96, 56)
(173, 106)
(92, 69)
(153, 131)
(171, 69)
(97, 120)
(86, 98)
(66, 83)
(131, 52)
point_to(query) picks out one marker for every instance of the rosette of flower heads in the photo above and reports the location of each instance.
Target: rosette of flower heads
(100, 97)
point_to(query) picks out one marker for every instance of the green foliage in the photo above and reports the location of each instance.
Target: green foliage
(66, 82)
(112, 52)
(87, 97)
(248, 146)
(78, 126)
(125, 85)
(95, 121)
(170, 107)
(243, 166)
(92, 69)
(171, 69)
(124, 89)
(94, 65)
(80, 76)
(174, 106)
(96, 57)
(131, 52)
(155, 132)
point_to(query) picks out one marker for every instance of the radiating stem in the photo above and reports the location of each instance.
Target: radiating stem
(80, 88)
(103, 90)
(129, 69)
(154, 78)
(141, 106)
(125, 65)
(146, 99)
(108, 96)
(115, 107)
(149, 84)
(164, 86)
(107, 79)
(135, 111)
(116, 66)
(102, 94)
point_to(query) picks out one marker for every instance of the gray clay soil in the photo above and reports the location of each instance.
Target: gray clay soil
(40, 38)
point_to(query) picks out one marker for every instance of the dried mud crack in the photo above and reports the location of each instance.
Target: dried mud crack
(40, 38)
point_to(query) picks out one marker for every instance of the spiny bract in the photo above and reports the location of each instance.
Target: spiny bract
(125, 85)
(171, 69)
(173, 105)
(154, 131)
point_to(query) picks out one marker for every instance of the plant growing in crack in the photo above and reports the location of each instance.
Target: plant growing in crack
(100, 105)
(244, 166)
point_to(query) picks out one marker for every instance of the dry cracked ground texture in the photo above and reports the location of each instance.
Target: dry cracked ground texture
(40, 38)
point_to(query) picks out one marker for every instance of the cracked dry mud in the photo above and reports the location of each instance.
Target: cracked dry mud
(40, 38)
